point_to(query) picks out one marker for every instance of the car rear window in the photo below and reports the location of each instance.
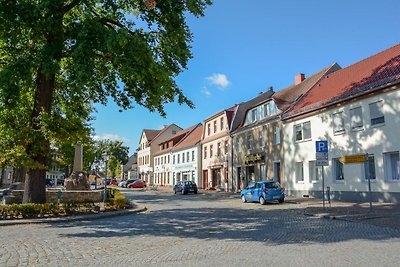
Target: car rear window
(272, 185)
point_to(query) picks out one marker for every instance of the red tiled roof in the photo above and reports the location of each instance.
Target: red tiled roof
(191, 139)
(372, 73)
(150, 134)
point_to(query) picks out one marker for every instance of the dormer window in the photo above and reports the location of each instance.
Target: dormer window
(253, 115)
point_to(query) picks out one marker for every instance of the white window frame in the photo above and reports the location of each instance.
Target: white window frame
(299, 172)
(261, 140)
(390, 166)
(314, 171)
(338, 129)
(277, 135)
(253, 115)
(249, 141)
(354, 124)
(377, 117)
(336, 161)
(301, 126)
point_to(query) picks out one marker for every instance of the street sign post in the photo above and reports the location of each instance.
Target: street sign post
(321, 156)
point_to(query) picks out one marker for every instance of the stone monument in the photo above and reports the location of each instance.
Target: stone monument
(78, 179)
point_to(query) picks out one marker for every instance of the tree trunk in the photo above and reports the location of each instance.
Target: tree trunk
(2, 176)
(35, 182)
(39, 148)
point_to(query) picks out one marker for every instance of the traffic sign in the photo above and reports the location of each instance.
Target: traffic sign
(321, 155)
(321, 146)
(322, 162)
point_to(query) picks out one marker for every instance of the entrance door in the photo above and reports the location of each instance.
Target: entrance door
(277, 171)
(239, 185)
(205, 179)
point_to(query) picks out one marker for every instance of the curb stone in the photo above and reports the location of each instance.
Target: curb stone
(84, 217)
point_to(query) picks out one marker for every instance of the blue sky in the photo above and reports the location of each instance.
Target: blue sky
(241, 48)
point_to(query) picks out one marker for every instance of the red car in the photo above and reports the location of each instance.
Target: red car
(113, 181)
(137, 184)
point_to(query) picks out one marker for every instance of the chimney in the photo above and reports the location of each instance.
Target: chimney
(299, 78)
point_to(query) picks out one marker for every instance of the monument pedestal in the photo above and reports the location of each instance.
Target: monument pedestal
(77, 181)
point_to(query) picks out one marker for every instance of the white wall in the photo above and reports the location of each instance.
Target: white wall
(370, 139)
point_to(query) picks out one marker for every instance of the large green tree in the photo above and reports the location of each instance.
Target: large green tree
(78, 52)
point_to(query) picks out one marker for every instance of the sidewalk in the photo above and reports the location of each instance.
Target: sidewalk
(381, 214)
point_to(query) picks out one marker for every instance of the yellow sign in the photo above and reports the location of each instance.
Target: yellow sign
(353, 159)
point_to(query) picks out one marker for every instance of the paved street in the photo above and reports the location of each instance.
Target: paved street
(201, 230)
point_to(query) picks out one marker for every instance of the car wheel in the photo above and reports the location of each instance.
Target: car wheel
(262, 201)
(281, 200)
(175, 191)
(243, 199)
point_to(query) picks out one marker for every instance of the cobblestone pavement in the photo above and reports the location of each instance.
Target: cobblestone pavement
(201, 230)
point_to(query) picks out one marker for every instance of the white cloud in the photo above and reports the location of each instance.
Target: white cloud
(206, 91)
(219, 79)
(112, 137)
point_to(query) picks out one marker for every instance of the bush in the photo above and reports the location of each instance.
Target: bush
(118, 200)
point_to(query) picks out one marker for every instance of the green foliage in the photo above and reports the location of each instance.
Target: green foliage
(118, 201)
(58, 58)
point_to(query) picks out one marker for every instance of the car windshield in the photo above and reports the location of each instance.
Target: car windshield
(189, 182)
(272, 185)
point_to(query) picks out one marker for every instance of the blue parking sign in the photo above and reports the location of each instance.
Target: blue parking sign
(321, 146)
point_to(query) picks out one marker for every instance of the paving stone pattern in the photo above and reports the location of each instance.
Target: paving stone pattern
(201, 230)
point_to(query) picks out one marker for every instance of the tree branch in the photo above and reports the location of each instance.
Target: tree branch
(70, 6)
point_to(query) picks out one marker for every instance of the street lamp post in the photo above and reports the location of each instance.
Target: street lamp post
(105, 157)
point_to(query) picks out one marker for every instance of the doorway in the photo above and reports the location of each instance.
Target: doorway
(277, 171)
(239, 185)
(205, 179)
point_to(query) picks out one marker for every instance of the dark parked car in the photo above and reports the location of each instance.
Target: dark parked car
(263, 191)
(185, 187)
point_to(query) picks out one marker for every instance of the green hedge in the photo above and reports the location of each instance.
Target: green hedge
(117, 201)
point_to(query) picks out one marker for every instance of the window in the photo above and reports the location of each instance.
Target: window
(338, 123)
(218, 149)
(192, 155)
(356, 119)
(173, 159)
(303, 131)
(215, 126)
(253, 115)
(313, 171)
(187, 156)
(162, 160)
(337, 170)
(261, 140)
(168, 159)
(266, 110)
(371, 167)
(238, 147)
(178, 160)
(277, 135)
(222, 123)
(299, 172)
(205, 152)
(391, 163)
(183, 157)
(211, 151)
(249, 143)
(376, 113)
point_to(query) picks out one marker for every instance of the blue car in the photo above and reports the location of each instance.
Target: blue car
(262, 191)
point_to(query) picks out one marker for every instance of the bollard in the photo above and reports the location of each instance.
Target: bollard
(328, 195)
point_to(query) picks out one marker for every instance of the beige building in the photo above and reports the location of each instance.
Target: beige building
(149, 144)
(216, 150)
(257, 141)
